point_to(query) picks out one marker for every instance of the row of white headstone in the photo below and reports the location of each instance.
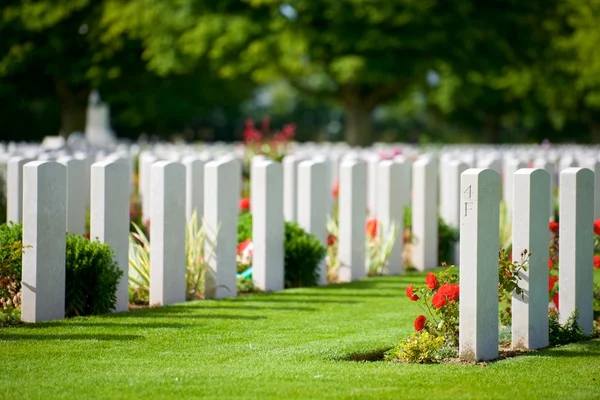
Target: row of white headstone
(46, 205)
(480, 199)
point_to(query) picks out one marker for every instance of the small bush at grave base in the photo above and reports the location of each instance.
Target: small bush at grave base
(422, 348)
(10, 316)
(439, 299)
(303, 252)
(92, 277)
(569, 332)
(11, 253)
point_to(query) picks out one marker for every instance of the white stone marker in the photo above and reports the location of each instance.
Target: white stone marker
(511, 165)
(194, 188)
(594, 166)
(14, 188)
(530, 232)
(312, 205)
(551, 169)
(268, 226)
(145, 179)
(167, 232)
(255, 160)
(405, 195)
(372, 168)
(479, 236)
(390, 210)
(76, 208)
(44, 229)
(352, 220)
(222, 184)
(290, 186)
(85, 191)
(425, 213)
(450, 199)
(109, 218)
(576, 246)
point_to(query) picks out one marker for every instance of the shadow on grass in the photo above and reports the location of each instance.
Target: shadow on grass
(365, 356)
(102, 323)
(13, 337)
(233, 306)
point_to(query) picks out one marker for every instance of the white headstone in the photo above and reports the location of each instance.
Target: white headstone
(575, 274)
(44, 229)
(222, 184)
(109, 218)
(530, 232)
(511, 165)
(594, 165)
(551, 169)
(194, 188)
(390, 211)
(14, 189)
(268, 226)
(167, 233)
(290, 186)
(352, 212)
(425, 213)
(479, 237)
(76, 209)
(312, 204)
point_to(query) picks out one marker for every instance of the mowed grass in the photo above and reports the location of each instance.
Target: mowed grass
(293, 344)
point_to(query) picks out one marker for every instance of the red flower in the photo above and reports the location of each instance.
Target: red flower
(510, 257)
(552, 281)
(550, 263)
(420, 323)
(330, 240)
(553, 226)
(451, 291)
(597, 227)
(87, 236)
(597, 261)
(555, 299)
(372, 228)
(409, 293)
(431, 281)
(335, 192)
(250, 133)
(438, 300)
(242, 246)
(245, 204)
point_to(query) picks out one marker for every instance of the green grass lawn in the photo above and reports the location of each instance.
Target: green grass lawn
(291, 344)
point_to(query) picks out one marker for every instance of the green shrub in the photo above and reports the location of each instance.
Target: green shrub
(11, 252)
(92, 277)
(422, 348)
(244, 227)
(303, 252)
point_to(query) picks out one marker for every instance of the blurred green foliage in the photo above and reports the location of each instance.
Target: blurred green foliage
(359, 70)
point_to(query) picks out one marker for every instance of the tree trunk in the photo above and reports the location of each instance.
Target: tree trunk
(491, 131)
(73, 107)
(358, 124)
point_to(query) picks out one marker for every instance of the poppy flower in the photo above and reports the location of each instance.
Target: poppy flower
(555, 300)
(597, 227)
(438, 300)
(372, 228)
(597, 261)
(330, 240)
(431, 281)
(449, 291)
(245, 204)
(335, 192)
(420, 323)
(553, 226)
(552, 281)
(409, 293)
(550, 263)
